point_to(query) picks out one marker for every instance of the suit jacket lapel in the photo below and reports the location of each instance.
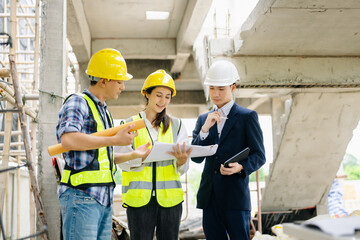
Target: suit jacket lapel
(229, 122)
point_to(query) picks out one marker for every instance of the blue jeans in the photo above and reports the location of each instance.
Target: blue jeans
(144, 220)
(83, 217)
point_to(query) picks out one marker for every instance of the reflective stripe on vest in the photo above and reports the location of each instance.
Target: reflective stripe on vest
(137, 186)
(99, 171)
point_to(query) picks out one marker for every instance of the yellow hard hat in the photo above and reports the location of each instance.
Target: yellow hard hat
(108, 63)
(159, 78)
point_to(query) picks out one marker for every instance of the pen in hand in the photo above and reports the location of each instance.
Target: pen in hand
(221, 117)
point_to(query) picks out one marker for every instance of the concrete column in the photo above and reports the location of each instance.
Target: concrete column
(277, 110)
(52, 80)
(84, 80)
(280, 110)
(312, 146)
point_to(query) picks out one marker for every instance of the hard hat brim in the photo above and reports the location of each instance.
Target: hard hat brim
(208, 82)
(172, 90)
(127, 77)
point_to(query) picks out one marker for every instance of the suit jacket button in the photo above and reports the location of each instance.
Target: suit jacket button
(215, 171)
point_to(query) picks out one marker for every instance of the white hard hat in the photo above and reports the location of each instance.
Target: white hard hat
(221, 73)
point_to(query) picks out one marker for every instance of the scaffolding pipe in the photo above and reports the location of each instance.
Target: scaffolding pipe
(18, 52)
(6, 87)
(13, 133)
(16, 152)
(19, 15)
(13, 144)
(31, 97)
(9, 96)
(11, 159)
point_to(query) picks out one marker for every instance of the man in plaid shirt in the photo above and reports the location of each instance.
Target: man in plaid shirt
(87, 184)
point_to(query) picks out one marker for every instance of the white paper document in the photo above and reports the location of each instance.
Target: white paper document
(335, 226)
(159, 151)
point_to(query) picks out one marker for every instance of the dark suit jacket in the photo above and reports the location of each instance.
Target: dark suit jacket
(241, 130)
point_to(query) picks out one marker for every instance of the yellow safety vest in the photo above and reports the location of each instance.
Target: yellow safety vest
(137, 187)
(100, 171)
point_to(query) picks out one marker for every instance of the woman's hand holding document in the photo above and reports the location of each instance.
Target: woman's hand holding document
(160, 151)
(181, 153)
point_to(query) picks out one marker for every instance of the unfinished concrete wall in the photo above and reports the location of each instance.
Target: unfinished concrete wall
(311, 150)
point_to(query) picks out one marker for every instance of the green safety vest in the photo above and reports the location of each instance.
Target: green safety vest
(100, 171)
(160, 176)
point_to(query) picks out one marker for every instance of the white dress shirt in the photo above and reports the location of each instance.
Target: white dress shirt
(137, 164)
(225, 110)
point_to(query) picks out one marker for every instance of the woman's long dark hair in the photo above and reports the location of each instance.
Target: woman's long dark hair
(161, 117)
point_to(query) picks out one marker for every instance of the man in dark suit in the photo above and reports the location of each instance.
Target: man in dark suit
(224, 193)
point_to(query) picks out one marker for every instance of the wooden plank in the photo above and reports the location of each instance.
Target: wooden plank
(33, 139)
(18, 193)
(26, 139)
(5, 159)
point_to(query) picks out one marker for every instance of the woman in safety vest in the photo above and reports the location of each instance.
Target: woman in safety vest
(152, 192)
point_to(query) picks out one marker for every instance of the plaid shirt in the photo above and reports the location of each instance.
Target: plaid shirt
(75, 116)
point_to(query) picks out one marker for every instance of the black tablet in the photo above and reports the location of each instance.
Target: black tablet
(238, 157)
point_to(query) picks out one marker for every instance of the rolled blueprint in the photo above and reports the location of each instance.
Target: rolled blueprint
(57, 149)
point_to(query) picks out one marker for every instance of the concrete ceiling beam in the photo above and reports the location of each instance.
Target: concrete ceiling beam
(127, 19)
(139, 48)
(180, 62)
(195, 14)
(181, 85)
(266, 91)
(316, 4)
(141, 68)
(308, 28)
(272, 76)
(124, 112)
(258, 103)
(293, 71)
(132, 98)
(78, 31)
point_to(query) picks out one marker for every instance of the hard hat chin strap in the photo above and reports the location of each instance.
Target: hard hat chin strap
(95, 79)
